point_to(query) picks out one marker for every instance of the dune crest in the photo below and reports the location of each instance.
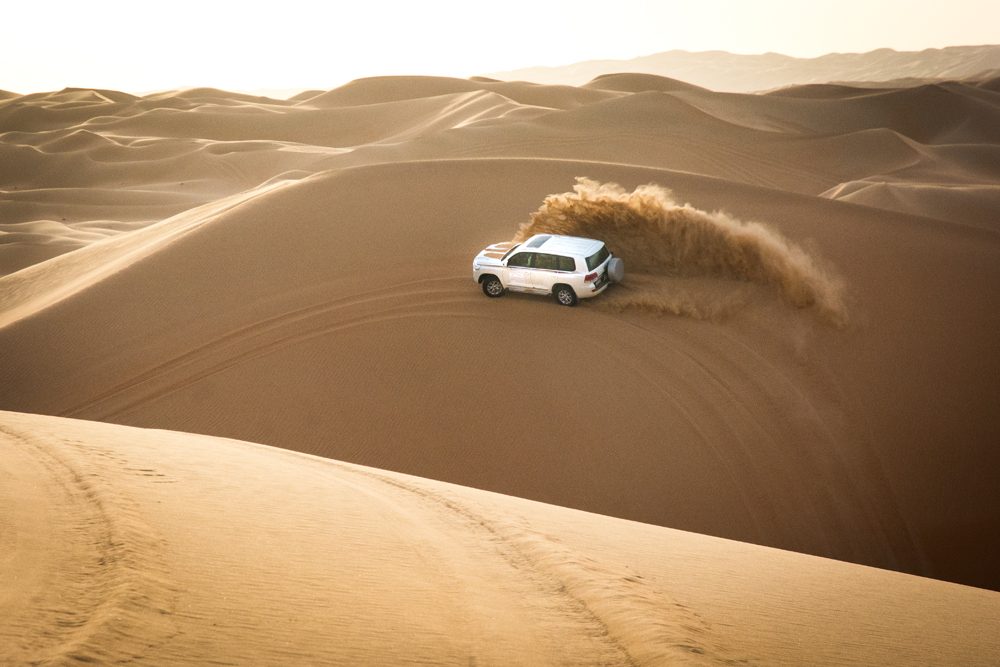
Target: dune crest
(660, 238)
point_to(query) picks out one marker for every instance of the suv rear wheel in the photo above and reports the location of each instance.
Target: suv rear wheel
(492, 287)
(565, 295)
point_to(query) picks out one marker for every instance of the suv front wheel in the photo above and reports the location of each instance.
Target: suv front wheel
(565, 295)
(492, 287)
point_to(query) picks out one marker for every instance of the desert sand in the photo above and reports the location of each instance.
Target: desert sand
(156, 547)
(812, 366)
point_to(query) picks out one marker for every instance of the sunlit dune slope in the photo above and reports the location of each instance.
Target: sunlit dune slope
(336, 315)
(158, 547)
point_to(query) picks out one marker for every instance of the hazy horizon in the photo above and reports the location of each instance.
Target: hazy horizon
(248, 47)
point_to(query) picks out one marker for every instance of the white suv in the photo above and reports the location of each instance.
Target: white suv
(567, 267)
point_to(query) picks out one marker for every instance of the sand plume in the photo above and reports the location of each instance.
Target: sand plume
(660, 238)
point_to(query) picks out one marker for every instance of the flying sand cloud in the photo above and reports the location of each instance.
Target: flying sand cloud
(662, 241)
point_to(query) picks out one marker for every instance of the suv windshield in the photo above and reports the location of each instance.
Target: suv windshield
(597, 258)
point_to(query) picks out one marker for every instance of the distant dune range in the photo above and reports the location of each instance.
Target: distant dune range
(736, 72)
(297, 273)
(80, 165)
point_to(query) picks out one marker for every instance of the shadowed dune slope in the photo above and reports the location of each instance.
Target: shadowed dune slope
(823, 91)
(336, 315)
(158, 547)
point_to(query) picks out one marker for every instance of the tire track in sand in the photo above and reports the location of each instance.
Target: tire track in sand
(261, 336)
(90, 585)
(635, 620)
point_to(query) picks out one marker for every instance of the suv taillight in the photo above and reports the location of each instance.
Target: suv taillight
(590, 277)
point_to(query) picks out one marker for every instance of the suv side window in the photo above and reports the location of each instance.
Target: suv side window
(567, 263)
(546, 261)
(521, 259)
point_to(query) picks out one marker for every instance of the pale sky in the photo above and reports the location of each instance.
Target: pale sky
(252, 46)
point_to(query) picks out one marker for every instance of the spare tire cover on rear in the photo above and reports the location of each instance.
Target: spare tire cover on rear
(616, 269)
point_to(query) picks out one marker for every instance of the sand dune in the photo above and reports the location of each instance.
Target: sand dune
(296, 273)
(991, 84)
(200, 340)
(720, 70)
(345, 126)
(166, 548)
(229, 144)
(980, 203)
(638, 83)
(380, 90)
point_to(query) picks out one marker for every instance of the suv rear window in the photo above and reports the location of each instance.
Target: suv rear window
(597, 258)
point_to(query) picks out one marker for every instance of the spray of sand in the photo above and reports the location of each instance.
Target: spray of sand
(676, 255)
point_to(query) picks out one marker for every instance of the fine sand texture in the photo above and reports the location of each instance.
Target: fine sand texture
(803, 354)
(123, 545)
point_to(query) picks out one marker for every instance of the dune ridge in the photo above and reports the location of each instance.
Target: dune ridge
(43, 284)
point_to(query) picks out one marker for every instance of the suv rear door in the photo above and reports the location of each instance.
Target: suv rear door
(549, 270)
